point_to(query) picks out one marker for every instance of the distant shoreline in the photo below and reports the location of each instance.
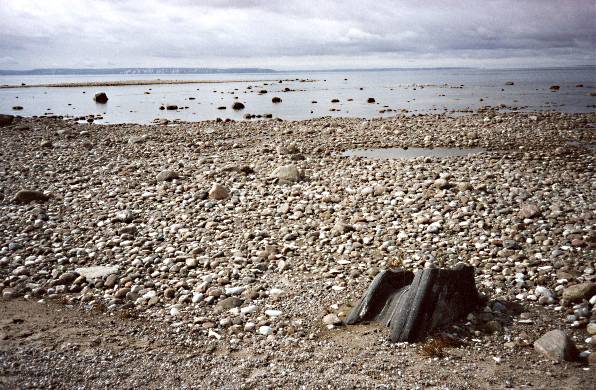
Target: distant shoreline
(120, 83)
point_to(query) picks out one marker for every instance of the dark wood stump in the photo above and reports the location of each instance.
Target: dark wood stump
(412, 305)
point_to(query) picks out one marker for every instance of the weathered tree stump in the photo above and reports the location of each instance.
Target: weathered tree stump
(412, 305)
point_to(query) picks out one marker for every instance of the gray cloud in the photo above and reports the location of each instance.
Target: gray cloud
(296, 34)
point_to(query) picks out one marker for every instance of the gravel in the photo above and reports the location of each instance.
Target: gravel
(217, 231)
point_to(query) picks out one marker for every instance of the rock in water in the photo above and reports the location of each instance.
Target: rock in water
(370, 100)
(167, 175)
(101, 97)
(237, 106)
(219, 192)
(28, 196)
(276, 99)
(6, 120)
(288, 174)
(412, 305)
(556, 345)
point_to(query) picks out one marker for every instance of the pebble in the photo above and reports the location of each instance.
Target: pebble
(167, 175)
(318, 239)
(265, 330)
(273, 313)
(218, 192)
(331, 319)
(288, 173)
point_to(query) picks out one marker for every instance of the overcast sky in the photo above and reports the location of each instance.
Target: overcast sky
(302, 34)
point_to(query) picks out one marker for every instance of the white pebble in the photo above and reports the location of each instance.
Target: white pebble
(265, 330)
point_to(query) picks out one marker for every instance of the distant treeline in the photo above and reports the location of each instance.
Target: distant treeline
(150, 71)
(99, 71)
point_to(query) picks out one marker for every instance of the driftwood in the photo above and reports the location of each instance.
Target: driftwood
(412, 305)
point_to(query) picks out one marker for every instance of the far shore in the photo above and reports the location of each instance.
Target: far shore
(119, 83)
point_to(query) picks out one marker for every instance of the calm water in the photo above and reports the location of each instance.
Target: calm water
(391, 89)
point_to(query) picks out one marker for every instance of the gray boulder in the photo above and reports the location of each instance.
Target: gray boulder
(557, 346)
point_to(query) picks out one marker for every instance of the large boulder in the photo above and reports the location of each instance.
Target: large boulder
(557, 346)
(6, 120)
(101, 97)
(237, 106)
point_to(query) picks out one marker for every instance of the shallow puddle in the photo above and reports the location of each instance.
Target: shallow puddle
(585, 145)
(409, 153)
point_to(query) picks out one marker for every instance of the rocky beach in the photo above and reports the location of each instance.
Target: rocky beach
(229, 253)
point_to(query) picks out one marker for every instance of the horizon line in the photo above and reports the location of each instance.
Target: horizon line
(31, 71)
